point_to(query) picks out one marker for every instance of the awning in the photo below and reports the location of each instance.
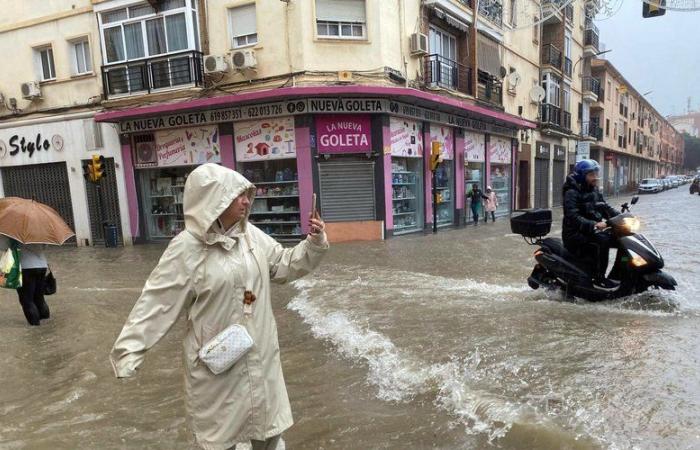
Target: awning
(489, 55)
(442, 11)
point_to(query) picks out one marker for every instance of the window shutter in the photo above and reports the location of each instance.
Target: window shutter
(489, 54)
(341, 10)
(243, 20)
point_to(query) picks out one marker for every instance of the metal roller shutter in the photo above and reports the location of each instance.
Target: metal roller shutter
(541, 183)
(111, 205)
(559, 178)
(45, 183)
(347, 191)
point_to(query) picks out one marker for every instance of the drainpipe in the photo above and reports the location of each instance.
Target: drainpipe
(473, 44)
(203, 17)
(402, 39)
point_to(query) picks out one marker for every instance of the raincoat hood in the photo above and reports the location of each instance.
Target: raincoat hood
(209, 190)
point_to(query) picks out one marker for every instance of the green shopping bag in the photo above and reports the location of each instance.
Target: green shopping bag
(10, 269)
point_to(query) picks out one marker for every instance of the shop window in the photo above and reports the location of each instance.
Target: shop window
(46, 67)
(82, 62)
(341, 19)
(500, 157)
(242, 26)
(407, 175)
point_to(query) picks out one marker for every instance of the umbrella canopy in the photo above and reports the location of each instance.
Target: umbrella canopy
(31, 222)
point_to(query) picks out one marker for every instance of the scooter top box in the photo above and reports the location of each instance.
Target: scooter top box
(531, 223)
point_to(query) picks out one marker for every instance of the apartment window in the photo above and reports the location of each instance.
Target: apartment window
(242, 23)
(536, 30)
(81, 53)
(46, 65)
(566, 98)
(607, 127)
(342, 19)
(567, 45)
(552, 87)
(137, 31)
(513, 13)
(610, 90)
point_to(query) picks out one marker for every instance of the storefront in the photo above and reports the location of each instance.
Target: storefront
(407, 175)
(44, 161)
(474, 166)
(444, 175)
(501, 172)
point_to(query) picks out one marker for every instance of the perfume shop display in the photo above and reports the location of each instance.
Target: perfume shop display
(407, 197)
(445, 198)
(162, 199)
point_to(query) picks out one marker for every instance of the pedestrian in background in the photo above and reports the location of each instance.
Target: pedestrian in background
(490, 204)
(218, 271)
(31, 293)
(476, 196)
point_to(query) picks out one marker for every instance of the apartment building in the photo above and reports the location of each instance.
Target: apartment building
(687, 123)
(49, 94)
(633, 141)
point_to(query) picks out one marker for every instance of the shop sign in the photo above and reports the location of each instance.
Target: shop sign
(542, 150)
(500, 151)
(583, 151)
(444, 136)
(347, 105)
(28, 145)
(474, 148)
(187, 146)
(262, 140)
(406, 138)
(559, 153)
(344, 134)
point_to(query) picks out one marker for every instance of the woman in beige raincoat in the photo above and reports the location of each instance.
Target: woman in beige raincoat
(205, 272)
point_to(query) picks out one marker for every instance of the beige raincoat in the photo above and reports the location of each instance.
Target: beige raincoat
(205, 274)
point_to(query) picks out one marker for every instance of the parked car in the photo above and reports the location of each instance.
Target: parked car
(650, 186)
(666, 183)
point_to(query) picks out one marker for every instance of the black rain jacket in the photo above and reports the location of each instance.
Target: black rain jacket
(581, 213)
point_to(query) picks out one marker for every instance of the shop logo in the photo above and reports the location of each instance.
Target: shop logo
(57, 142)
(296, 107)
(394, 107)
(28, 146)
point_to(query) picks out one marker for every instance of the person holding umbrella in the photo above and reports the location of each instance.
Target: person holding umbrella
(31, 225)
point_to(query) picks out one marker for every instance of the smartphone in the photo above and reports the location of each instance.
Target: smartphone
(314, 211)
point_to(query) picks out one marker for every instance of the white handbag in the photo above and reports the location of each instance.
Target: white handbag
(226, 348)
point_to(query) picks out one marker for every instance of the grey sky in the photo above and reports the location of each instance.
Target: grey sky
(660, 54)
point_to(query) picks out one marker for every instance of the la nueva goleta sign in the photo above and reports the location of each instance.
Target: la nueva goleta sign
(310, 106)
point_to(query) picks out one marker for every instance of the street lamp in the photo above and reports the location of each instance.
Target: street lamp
(573, 70)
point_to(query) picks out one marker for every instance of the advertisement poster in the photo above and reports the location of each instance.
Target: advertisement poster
(474, 147)
(344, 134)
(443, 135)
(406, 138)
(186, 146)
(500, 150)
(261, 140)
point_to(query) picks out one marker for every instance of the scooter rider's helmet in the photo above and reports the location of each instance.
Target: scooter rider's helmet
(583, 168)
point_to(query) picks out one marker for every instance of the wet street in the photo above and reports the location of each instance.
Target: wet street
(416, 342)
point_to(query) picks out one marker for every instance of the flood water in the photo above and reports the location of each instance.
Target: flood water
(415, 342)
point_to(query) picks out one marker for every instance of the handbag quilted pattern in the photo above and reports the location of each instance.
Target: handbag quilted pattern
(226, 348)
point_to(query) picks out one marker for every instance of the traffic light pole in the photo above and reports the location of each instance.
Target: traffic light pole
(434, 201)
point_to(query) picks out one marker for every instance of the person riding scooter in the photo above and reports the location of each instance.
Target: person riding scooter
(585, 212)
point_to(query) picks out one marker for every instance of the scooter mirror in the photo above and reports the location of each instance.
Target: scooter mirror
(635, 199)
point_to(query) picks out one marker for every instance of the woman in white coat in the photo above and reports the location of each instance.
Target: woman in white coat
(205, 272)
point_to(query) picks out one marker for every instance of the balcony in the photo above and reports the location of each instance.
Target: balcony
(591, 130)
(446, 73)
(600, 101)
(552, 11)
(591, 40)
(568, 67)
(591, 89)
(153, 74)
(551, 56)
(490, 88)
(492, 10)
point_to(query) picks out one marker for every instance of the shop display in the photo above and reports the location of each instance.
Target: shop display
(445, 199)
(474, 166)
(162, 199)
(406, 195)
(500, 177)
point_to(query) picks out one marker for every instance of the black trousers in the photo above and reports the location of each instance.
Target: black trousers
(486, 216)
(31, 295)
(596, 252)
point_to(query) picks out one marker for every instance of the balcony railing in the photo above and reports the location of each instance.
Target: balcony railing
(492, 10)
(591, 84)
(446, 73)
(592, 130)
(152, 74)
(553, 115)
(591, 26)
(490, 88)
(592, 38)
(551, 56)
(568, 67)
(467, 3)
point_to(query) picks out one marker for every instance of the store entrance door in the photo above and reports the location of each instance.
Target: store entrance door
(559, 175)
(541, 183)
(523, 184)
(110, 197)
(347, 190)
(45, 183)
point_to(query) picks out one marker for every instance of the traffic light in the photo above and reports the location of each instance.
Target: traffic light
(435, 155)
(653, 8)
(98, 168)
(89, 171)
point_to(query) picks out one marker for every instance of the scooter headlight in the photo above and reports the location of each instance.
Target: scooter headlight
(636, 260)
(630, 224)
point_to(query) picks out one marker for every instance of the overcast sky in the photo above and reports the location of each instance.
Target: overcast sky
(660, 54)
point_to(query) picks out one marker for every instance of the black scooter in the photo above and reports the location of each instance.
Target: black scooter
(637, 266)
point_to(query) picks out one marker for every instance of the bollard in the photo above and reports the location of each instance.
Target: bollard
(110, 233)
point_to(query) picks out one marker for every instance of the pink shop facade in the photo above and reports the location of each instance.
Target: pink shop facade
(364, 150)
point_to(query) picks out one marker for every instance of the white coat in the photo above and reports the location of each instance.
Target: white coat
(204, 274)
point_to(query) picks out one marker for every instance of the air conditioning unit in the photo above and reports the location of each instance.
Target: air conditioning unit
(244, 59)
(31, 90)
(215, 64)
(419, 44)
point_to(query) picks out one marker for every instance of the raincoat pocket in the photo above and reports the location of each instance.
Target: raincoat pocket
(10, 269)
(225, 349)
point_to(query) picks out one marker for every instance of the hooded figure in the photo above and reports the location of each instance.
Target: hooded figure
(490, 204)
(205, 273)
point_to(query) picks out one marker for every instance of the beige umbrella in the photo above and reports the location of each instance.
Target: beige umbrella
(31, 222)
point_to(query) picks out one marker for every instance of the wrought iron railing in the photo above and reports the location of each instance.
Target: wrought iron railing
(147, 75)
(591, 38)
(447, 73)
(490, 88)
(591, 84)
(550, 114)
(552, 56)
(492, 10)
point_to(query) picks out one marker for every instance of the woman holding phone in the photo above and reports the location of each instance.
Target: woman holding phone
(218, 272)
